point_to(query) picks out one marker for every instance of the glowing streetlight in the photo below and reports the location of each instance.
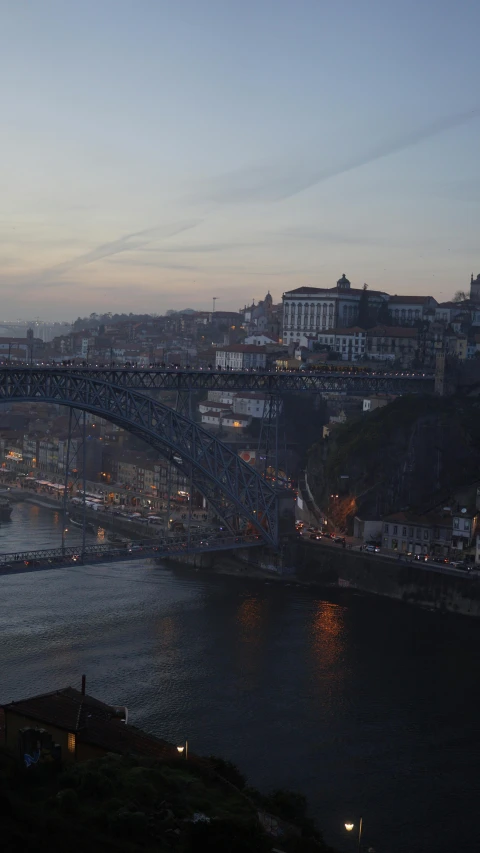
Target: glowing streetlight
(350, 826)
(183, 748)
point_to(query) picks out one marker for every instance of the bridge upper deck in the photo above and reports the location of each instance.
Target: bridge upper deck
(346, 382)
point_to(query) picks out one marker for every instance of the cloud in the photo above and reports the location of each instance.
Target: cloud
(128, 243)
(274, 183)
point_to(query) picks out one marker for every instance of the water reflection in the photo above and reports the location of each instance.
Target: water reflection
(250, 619)
(328, 636)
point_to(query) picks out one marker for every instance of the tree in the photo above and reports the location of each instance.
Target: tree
(363, 317)
(383, 317)
(460, 296)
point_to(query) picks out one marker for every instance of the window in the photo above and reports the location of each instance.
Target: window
(426, 534)
(71, 742)
(456, 523)
(419, 533)
(395, 544)
(395, 528)
(386, 528)
(410, 531)
(404, 531)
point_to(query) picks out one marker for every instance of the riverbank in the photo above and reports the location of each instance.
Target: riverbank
(130, 529)
(331, 567)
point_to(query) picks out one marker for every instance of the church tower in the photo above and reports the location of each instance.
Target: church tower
(475, 288)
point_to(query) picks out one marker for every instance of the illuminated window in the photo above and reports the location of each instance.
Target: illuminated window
(71, 743)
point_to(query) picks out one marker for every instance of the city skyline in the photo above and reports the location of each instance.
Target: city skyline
(153, 160)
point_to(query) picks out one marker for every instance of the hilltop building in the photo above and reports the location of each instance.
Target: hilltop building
(315, 309)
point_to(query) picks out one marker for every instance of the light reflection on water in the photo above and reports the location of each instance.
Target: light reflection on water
(365, 706)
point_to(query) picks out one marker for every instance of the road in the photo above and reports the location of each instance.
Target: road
(431, 565)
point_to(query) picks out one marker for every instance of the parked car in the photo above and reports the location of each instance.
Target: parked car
(372, 549)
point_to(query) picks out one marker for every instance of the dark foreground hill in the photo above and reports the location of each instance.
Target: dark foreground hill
(125, 804)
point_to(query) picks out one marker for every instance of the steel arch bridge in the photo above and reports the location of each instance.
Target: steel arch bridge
(230, 486)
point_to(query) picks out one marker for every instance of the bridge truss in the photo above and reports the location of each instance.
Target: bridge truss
(276, 383)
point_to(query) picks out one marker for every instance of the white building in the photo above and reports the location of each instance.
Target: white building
(240, 357)
(225, 419)
(260, 339)
(251, 404)
(311, 310)
(463, 528)
(351, 343)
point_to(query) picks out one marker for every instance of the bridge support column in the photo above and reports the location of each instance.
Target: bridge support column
(75, 468)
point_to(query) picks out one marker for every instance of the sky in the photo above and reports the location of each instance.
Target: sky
(157, 153)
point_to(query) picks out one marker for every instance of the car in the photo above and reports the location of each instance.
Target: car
(372, 549)
(340, 540)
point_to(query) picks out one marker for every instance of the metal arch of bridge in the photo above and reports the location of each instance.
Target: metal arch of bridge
(230, 486)
(276, 383)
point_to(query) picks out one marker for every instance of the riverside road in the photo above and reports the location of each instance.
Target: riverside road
(367, 706)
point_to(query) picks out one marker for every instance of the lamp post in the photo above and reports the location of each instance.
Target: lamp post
(183, 748)
(350, 826)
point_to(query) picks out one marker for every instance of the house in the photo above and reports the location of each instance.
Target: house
(456, 344)
(430, 533)
(407, 533)
(70, 725)
(251, 404)
(240, 357)
(350, 342)
(367, 529)
(376, 402)
(407, 310)
(464, 522)
(260, 339)
(225, 419)
(392, 343)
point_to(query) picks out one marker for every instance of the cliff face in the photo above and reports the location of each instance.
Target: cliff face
(411, 454)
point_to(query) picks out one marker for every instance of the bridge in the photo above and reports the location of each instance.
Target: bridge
(233, 489)
(359, 384)
(63, 557)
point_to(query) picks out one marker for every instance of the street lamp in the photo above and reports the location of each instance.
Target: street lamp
(350, 826)
(182, 749)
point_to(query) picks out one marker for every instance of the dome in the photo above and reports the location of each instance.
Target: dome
(343, 282)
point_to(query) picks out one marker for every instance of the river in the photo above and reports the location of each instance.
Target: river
(367, 706)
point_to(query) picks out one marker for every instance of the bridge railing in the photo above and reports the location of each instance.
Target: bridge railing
(93, 553)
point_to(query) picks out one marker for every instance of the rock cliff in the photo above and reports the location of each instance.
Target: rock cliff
(411, 454)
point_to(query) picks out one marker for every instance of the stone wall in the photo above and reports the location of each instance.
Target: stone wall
(412, 583)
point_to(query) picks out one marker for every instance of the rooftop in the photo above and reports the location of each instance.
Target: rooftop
(67, 709)
(409, 300)
(241, 348)
(332, 291)
(393, 332)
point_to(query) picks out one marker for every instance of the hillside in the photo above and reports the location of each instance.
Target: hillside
(121, 804)
(411, 454)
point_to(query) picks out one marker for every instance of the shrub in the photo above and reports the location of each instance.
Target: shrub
(67, 800)
(229, 771)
